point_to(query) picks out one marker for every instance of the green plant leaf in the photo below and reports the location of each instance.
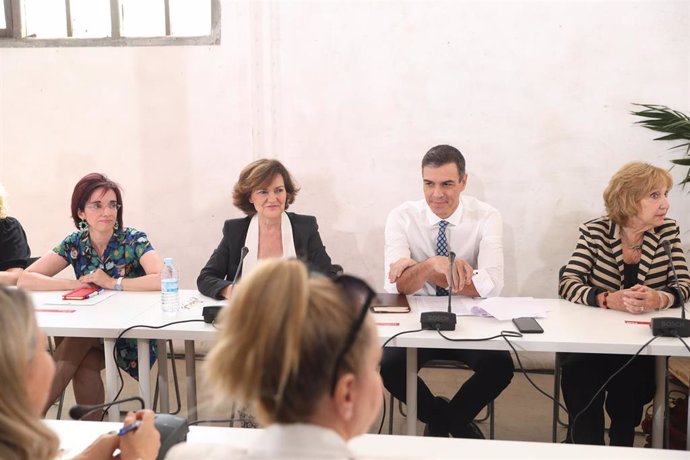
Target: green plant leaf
(675, 126)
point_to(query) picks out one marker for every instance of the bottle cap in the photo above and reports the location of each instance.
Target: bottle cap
(168, 261)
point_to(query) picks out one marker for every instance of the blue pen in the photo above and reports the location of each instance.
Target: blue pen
(126, 429)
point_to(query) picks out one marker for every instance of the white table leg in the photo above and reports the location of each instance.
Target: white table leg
(111, 379)
(659, 403)
(163, 388)
(190, 366)
(411, 391)
(687, 437)
(144, 364)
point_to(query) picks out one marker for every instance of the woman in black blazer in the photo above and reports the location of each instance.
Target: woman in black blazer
(264, 191)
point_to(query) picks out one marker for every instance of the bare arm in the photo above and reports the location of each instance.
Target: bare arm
(435, 270)
(39, 276)
(414, 277)
(153, 265)
(10, 276)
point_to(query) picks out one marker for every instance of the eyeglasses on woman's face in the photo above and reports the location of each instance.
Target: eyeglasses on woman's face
(99, 207)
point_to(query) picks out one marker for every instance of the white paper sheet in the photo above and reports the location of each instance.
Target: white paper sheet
(506, 308)
(460, 305)
(501, 308)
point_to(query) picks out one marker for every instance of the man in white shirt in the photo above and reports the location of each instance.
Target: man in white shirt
(418, 238)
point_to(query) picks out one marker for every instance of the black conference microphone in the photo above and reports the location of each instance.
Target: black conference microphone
(442, 320)
(669, 326)
(243, 254)
(209, 313)
(451, 258)
(80, 411)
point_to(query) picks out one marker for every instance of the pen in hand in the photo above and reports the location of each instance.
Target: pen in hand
(126, 429)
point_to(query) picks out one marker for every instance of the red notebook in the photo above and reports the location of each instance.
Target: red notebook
(81, 293)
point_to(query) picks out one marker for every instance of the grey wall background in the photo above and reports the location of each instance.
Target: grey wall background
(349, 95)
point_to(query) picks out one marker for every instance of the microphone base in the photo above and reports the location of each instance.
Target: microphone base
(173, 430)
(209, 313)
(438, 320)
(670, 327)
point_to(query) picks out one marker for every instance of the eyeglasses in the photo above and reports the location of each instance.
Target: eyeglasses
(359, 293)
(100, 207)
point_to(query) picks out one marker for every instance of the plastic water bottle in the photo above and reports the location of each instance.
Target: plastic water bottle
(170, 288)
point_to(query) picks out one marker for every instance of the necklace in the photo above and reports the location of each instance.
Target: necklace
(634, 247)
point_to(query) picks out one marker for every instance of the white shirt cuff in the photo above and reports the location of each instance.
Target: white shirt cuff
(482, 282)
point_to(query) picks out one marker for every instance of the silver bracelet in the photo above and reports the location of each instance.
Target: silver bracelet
(669, 300)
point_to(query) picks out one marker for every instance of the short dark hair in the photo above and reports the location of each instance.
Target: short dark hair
(85, 187)
(256, 175)
(442, 155)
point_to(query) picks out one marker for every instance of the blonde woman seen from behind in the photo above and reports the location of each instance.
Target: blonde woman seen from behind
(301, 351)
(26, 371)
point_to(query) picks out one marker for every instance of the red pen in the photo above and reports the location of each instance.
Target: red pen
(637, 322)
(388, 324)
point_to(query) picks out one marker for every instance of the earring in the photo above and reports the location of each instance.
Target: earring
(116, 226)
(83, 225)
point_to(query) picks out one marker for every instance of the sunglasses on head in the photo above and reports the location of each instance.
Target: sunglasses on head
(358, 293)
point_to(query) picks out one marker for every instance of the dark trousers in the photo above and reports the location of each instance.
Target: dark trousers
(493, 371)
(623, 397)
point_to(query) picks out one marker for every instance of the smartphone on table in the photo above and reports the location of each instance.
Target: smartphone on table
(528, 325)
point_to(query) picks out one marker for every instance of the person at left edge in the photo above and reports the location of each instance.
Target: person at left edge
(14, 249)
(26, 373)
(263, 192)
(102, 253)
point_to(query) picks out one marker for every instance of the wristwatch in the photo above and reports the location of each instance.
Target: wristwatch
(118, 284)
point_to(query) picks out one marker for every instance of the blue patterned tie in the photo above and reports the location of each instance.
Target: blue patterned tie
(442, 250)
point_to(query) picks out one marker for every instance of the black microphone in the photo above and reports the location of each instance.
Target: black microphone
(667, 250)
(80, 411)
(669, 326)
(451, 259)
(441, 320)
(211, 312)
(243, 254)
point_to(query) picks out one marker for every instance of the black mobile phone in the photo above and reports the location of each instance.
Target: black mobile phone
(528, 325)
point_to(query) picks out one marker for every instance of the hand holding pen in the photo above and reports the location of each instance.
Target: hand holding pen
(139, 437)
(127, 428)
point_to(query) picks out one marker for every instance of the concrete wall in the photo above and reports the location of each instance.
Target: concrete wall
(350, 95)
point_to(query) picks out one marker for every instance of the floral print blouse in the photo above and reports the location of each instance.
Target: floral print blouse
(121, 258)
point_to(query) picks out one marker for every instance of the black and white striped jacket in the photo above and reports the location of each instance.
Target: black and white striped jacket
(597, 262)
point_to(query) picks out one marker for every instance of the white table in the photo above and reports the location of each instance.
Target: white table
(108, 318)
(568, 327)
(76, 436)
